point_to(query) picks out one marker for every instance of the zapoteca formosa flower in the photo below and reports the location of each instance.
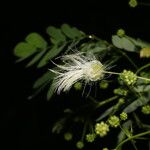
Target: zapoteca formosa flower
(77, 67)
(101, 129)
(114, 121)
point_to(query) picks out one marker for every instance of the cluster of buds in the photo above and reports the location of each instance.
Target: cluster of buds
(79, 144)
(90, 137)
(123, 116)
(128, 77)
(101, 129)
(114, 121)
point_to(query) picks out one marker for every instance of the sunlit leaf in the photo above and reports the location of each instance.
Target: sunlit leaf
(23, 49)
(36, 40)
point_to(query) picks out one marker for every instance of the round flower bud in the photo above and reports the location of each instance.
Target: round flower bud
(78, 86)
(103, 84)
(120, 91)
(79, 144)
(114, 121)
(101, 129)
(128, 77)
(68, 136)
(146, 109)
(121, 32)
(133, 3)
(123, 116)
(121, 101)
(105, 148)
(90, 137)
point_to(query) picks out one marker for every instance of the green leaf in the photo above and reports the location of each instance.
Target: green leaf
(123, 43)
(70, 32)
(116, 40)
(23, 49)
(137, 103)
(47, 57)
(50, 54)
(142, 88)
(105, 114)
(36, 58)
(122, 134)
(56, 34)
(128, 44)
(50, 92)
(46, 78)
(36, 40)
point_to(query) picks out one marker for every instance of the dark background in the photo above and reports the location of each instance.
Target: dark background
(26, 124)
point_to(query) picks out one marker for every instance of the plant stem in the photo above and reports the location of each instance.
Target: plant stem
(133, 137)
(143, 78)
(143, 67)
(106, 101)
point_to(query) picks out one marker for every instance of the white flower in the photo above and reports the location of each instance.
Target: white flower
(77, 67)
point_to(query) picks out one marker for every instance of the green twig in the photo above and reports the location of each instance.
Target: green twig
(132, 137)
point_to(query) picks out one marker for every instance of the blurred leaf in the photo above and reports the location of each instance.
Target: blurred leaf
(116, 40)
(137, 103)
(36, 58)
(139, 42)
(70, 32)
(142, 88)
(128, 45)
(58, 126)
(47, 56)
(122, 134)
(50, 91)
(23, 49)
(105, 114)
(47, 77)
(36, 40)
(51, 54)
(123, 43)
(145, 52)
(56, 34)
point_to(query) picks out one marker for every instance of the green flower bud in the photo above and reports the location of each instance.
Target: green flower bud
(123, 116)
(121, 32)
(105, 148)
(121, 101)
(133, 3)
(103, 84)
(79, 144)
(128, 77)
(114, 121)
(120, 91)
(90, 137)
(78, 86)
(146, 109)
(68, 136)
(101, 129)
